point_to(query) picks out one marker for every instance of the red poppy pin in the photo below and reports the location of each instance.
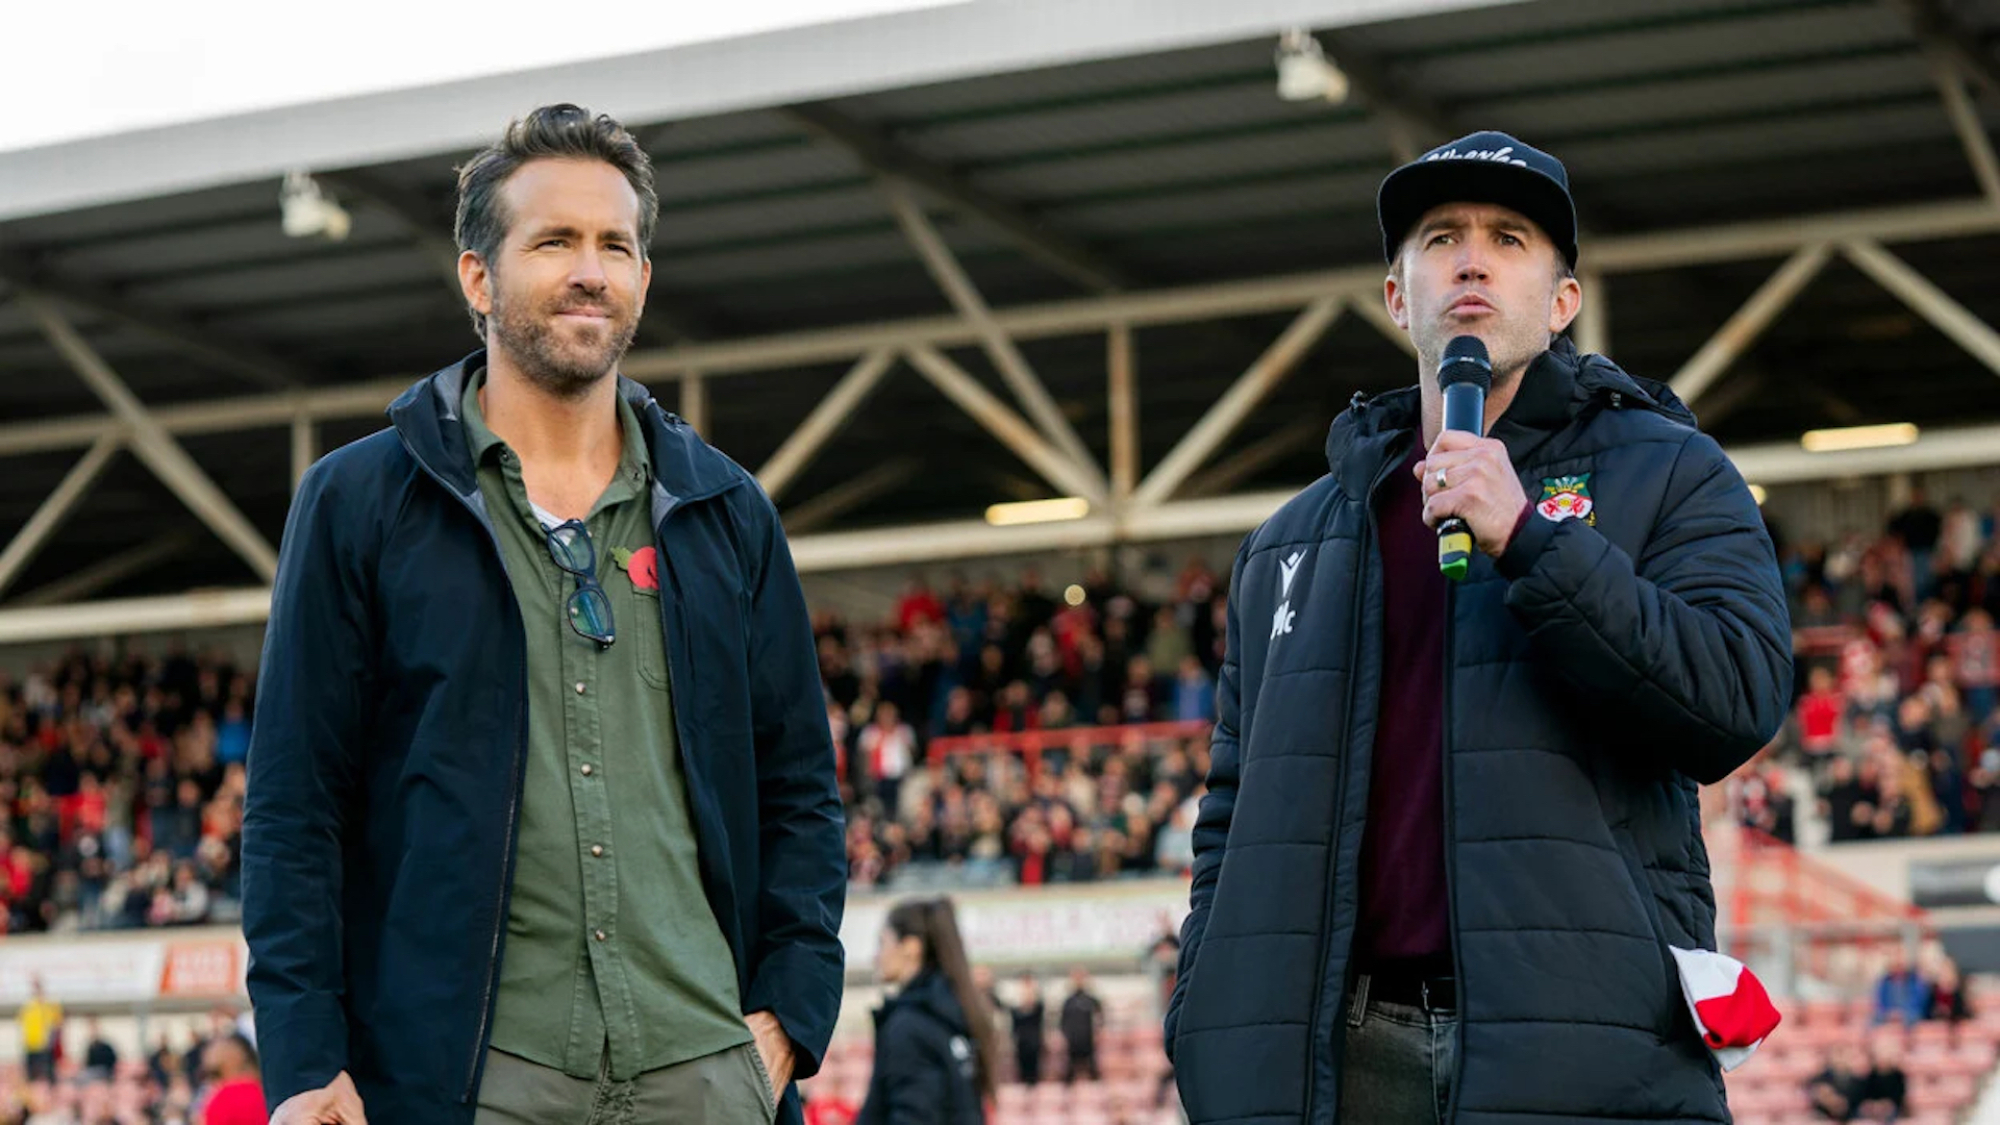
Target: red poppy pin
(641, 566)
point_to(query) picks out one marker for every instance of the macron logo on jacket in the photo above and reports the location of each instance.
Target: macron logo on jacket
(1281, 622)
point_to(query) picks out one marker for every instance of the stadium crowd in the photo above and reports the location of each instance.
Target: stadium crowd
(1015, 661)
(123, 778)
(123, 786)
(1895, 731)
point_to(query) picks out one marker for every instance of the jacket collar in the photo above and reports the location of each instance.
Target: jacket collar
(928, 992)
(685, 468)
(1559, 387)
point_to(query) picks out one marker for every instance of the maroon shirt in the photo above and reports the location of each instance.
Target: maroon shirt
(1405, 918)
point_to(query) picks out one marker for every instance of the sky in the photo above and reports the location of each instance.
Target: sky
(96, 67)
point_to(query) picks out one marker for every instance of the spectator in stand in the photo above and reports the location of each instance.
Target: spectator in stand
(1081, 1019)
(888, 748)
(1975, 653)
(1885, 1092)
(100, 1058)
(235, 1096)
(1901, 994)
(1948, 1001)
(1821, 713)
(1029, 1016)
(41, 1031)
(1194, 692)
(919, 606)
(1836, 1091)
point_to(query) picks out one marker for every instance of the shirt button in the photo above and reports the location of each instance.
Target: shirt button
(585, 768)
(598, 934)
(579, 687)
(597, 849)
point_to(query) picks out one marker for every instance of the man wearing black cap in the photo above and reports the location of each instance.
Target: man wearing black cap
(1452, 831)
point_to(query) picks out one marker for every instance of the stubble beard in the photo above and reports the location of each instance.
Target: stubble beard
(562, 371)
(1510, 350)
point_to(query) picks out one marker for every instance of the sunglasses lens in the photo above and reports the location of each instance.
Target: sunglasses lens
(590, 612)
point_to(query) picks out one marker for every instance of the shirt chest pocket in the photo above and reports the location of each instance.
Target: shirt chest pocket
(638, 591)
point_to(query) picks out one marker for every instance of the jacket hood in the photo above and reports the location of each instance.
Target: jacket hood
(930, 993)
(1557, 389)
(685, 468)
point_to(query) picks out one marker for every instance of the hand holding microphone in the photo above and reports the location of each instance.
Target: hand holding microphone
(1471, 495)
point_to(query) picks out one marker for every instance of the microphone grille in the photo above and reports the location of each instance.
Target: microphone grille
(1465, 362)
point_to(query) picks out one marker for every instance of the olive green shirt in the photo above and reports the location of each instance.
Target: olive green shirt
(614, 961)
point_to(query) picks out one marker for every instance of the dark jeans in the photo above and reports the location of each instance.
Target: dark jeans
(1081, 1065)
(1399, 1064)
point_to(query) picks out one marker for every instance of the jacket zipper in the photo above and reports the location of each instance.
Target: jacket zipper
(513, 800)
(1364, 556)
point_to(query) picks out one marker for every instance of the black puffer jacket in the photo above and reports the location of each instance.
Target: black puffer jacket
(925, 1060)
(1595, 674)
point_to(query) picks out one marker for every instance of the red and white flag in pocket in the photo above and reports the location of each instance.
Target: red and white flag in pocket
(1730, 1007)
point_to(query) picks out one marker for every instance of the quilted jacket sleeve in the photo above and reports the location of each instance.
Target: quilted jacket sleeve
(1693, 638)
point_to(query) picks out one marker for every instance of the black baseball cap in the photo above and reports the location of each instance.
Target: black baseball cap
(1483, 167)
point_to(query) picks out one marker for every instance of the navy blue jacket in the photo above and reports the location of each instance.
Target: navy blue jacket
(1595, 673)
(391, 735)
(925, 1060)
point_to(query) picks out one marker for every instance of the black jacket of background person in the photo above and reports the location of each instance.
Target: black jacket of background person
(1593, 677)
(391, 734)
(924, 1060)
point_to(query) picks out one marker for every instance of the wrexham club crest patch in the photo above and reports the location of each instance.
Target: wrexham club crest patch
(1567, 498)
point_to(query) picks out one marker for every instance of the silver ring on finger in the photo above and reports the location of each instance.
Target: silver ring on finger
(1440, 480)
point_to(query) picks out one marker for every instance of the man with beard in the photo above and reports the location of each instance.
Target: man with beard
(1452, 830)
(542, 824)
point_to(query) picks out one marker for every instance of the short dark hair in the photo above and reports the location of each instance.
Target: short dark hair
(552, 132)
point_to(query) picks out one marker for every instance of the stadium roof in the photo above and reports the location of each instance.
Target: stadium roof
(1085, 164)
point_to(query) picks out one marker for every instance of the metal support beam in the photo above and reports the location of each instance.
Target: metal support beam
(75, 486)
(694, 402)
(1927, 300)
(1742, 329)
(1122, 365)
(203, 609)
(1238, 401)
(154, 445)
(848, 495)
(885, 158)
(1944, 34)
(1010, 428)
(414, 213)
(305, 447)
(1212, 301)
(1414, 123)
(1254, 458)
(1593, 322)
(1007, 358)
(1724, 400)
(238, 357)
(825, 420)
(105, 572)
(1775, 463)
(1374, 312)
(1971, 131)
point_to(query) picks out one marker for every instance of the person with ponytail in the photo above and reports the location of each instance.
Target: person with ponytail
(936, 1054)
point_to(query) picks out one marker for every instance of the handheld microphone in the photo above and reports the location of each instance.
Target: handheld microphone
(1464, 377)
